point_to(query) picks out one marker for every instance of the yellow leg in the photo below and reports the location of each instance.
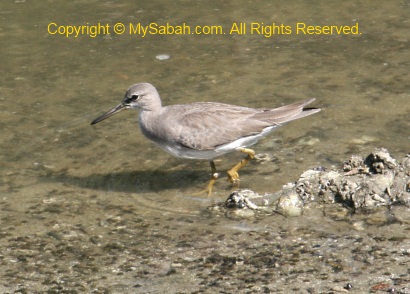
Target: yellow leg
(214, 177)
(211, 183)
(233, 175)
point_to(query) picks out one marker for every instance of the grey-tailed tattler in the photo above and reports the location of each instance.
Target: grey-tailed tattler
(205, 130)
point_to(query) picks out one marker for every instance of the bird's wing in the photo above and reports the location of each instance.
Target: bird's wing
(204, 126)
(207, 125)
(286, 113)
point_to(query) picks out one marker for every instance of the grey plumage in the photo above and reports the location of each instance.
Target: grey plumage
(203, 130)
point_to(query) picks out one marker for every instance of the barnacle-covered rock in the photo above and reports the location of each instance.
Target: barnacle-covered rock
(378, 180)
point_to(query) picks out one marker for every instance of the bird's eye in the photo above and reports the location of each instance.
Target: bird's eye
(131, 99)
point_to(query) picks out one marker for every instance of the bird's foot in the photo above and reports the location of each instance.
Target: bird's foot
(211, 183)
(233, 175)
(209, 187)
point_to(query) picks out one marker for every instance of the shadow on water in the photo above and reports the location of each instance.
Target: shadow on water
(145, 192)
(141, 181)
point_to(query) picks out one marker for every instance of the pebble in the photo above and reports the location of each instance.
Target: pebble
(162, 56)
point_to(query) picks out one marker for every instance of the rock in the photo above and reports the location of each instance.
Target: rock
(378, 180)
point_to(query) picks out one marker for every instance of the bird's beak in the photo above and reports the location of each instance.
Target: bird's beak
(109, 113)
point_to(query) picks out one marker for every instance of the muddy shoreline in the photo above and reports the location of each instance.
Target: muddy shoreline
(75, 244)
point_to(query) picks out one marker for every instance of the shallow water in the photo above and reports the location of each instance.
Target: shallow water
(102, 208)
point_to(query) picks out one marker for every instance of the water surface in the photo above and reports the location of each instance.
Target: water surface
(102, 201)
